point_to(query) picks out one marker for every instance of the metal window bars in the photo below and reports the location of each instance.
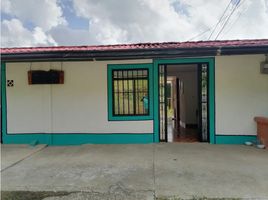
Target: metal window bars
(130, 92)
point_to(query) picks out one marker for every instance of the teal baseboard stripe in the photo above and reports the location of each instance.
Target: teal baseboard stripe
(235, 139)
(27, 138)
(78, 139)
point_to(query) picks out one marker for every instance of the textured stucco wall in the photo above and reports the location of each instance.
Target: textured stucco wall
(241, 94)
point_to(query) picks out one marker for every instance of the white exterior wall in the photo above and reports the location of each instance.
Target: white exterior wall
(241, 94)
(27, 106)
(79, 105)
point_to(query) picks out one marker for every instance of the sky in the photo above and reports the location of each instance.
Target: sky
(94, 22)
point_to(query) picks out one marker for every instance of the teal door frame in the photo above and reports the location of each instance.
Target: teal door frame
(211, 91)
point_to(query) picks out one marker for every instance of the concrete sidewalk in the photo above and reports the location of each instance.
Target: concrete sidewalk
(13, 154)
(140, 171)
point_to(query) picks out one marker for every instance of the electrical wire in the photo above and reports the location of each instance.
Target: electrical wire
(220, 20)
(227, 20)
(200, 34)
(238, 17)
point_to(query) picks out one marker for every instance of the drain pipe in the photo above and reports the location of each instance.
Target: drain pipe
(218, 52)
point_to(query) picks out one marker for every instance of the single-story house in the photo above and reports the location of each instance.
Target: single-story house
(205, 91)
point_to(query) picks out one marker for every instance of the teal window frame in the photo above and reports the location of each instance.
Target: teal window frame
(110, 68)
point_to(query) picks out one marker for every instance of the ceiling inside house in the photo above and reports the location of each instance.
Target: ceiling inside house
(182, 68)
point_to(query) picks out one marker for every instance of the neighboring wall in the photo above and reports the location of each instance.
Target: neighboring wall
(241, 94)
(77, 106)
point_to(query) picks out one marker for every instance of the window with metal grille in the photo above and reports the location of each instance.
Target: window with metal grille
(130, 92)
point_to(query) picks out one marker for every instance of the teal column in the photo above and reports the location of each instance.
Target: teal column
(156, 101)
(211, 88)
(4, 104)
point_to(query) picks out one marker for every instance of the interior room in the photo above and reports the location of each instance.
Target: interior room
(182, 101)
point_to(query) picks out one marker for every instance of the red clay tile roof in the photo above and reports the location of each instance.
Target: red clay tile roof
(140, 46)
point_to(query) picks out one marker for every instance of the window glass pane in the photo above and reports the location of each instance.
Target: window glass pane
(125, 74)
(130, 84)
(120, 86)
(140, 73)
(115, 86)
(115, 74)
(145, 97)
(119, 74)
(115, 95)
(130, 89)
(116, 103)
(138, 106)
(125, 96)
(145, 73)
(134, 73)
(137, 97)
(120, 103)
(130, 72)
(131, 104)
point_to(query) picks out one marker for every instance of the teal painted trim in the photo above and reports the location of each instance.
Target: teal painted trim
(184, 60)
(156, 102)
(27, 138)
(4, 103)
(235, 139)
(211, 98)
(211, 86)
(78, 138)
(111, 67)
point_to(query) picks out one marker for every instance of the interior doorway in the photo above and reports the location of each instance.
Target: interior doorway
(183, 102)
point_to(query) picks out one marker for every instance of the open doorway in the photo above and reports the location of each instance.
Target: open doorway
(183, 102)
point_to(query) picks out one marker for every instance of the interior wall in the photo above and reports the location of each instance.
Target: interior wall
(189, 96)
(77, 106)
(174, 96)
(241, 94)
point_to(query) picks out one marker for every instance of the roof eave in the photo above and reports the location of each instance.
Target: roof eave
(133, 54)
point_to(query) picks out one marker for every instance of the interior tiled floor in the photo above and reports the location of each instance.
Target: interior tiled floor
(187, 135)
